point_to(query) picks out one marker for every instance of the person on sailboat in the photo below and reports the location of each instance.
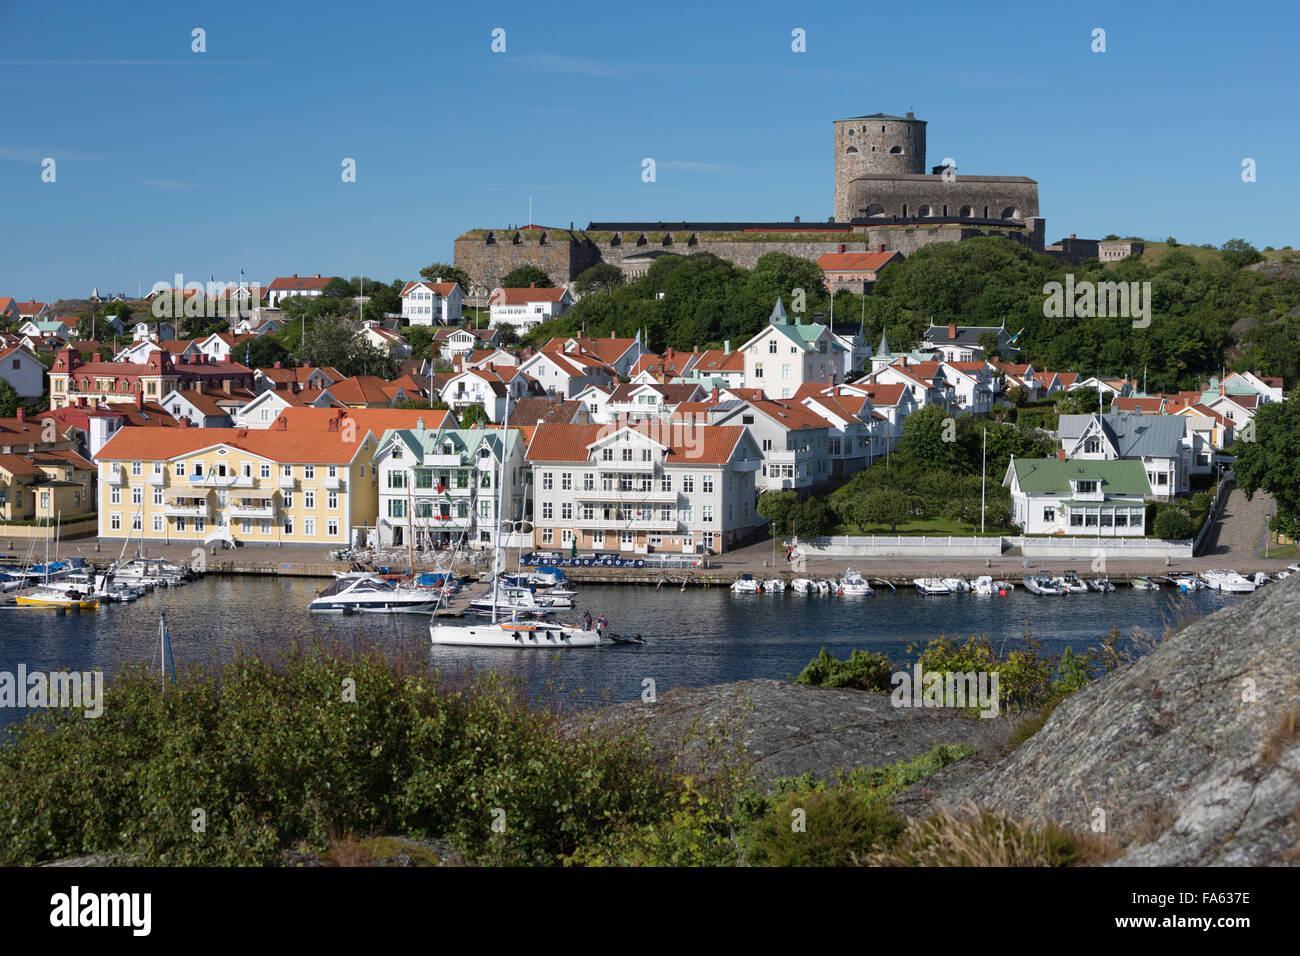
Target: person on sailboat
(586, 621)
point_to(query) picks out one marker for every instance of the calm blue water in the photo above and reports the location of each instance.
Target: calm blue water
(699, 636)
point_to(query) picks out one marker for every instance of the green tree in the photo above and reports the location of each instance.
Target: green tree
(421, 338)
(9, 400)
(440, 270)
(929, 439)
(1269, 459)
(811, 519)
(474, 416)
(333, 340)
(885, 506)
(778, 507)
(422, 403)
(603, 277)
(263, 352)
(1238, 253)
(338, 288)
(526, 276)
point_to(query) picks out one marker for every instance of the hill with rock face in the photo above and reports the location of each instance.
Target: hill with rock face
(1189, 756)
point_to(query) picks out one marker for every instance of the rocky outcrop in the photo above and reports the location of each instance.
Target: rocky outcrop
(789, 729)
(1188, 757)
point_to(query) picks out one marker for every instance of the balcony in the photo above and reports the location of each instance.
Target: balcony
(213, 480)
(443, 461)
(158, 479)
(114, 475)
(251, 511)
(185, 511)
(632, 496)
(332, 484)
(287, 482)
(623, 524)
(641, 466)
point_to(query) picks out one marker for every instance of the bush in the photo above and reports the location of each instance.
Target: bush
(863, 670)
(1173, 524)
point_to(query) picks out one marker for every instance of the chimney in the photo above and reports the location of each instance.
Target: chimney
(911, 115)
(1072, 236)
(713, 396)
(21, 414)
(841, 247)
(226, 386)
(532, 285)
(295, 275)
(278, 365)
(880, 247)
(726, 347)
(183, 423)
(952, 330)
(318, 275)
(97, 357)
(333, 424)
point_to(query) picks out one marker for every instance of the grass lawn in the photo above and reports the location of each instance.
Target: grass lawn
(920, 526)
(1282, 551)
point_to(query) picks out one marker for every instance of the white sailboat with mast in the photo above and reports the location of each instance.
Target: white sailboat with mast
(512, 633)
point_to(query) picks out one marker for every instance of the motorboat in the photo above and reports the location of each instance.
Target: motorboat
(1073, 584)
(1145, 584)
(1229, 581)
(374, 595)
(1041, 584)
(150, 572)
(825, 587)
(773, 586)
(502, 600)
(957, 585)
(985, 584)
(99, 586)
(803, 585)
(853, 584)
(1100, 585)
(1186, 582)
(932, 586)
(746, 584)
(1261, 579)
(538, 634)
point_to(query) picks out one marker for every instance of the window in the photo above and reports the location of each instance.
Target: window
(115, 496)
(332, 528)
(707, 514)
(309, 527)
(137, 496)
(396, 508)
(200, 525)
(157, 497)
(332, 500)
(266, 526)
(1076, 521)
(548, 511)
(566, 511)
(587, 512)
(309, 471)
(607, 454)
(136, 468)
(758, 370)
(309, 500)
(588, 481)
(627, 454)
(397, 480)
(288, 524)
(333, 471)
(286, 471)
(548, 536)
(180, 525)
(566, 481)
(785, 371)
(1049, 514)
(115, 522)
(688, 484)
(157, 523)
(707, 484)
(771, 346)
(180, 469)
(287, 499)
(666, 483)
(266, 471)
(548, 481)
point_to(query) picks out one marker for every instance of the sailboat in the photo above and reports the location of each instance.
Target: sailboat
(45, 595)
(512, 633)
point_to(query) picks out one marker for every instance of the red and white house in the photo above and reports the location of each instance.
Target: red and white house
(286, 287)
(525, 308)
(431, 303)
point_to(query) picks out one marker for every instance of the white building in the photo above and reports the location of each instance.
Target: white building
(1092, 497)
(23, 370)
(431, 303)
(526, 308)
(438, 487)
(786, 354)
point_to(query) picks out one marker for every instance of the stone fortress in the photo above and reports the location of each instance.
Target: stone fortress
(884, 200)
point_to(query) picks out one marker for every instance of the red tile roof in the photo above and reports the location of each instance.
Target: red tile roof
(303, 283)
(705, 445)
(854, 261)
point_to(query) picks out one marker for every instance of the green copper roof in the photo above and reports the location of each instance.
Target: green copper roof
(1053, 476)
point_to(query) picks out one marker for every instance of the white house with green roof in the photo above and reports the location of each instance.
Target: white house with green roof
(786, 354)
(436, 486)
(1078, 496)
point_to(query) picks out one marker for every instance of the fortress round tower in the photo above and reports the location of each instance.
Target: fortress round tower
(878, 144)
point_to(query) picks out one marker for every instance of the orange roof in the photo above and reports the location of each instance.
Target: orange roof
(716, 360)
(310, 446)
(361, 389)
(31, 308)
(20, 465)
(305, 283)
(441, 288)
(607, 349)
(707, 445)
(854, 261)
(789, 413)
(377, 420)
(747, 394)
(524, 296)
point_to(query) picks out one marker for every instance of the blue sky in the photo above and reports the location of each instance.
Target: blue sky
(170, 161)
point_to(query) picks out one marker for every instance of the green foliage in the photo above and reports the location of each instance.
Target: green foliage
(1173, 524)
(276, 756)
(1238, 253)
(9, 400)
(333, 340)
(474, 416)
(440, 270)
(263, 352)
(1272, 461)
(1025, 674)
(603, 277)
(421, 339)
(778, 507)
(862, 670)
(526, 276)
(886, 506)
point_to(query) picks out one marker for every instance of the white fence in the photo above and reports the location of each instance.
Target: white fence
(1112, 547)
(902, 546)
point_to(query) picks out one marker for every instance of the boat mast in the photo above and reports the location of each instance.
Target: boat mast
(496, 516)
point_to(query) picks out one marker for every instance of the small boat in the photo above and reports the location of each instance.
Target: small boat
(1227, 581)
(150, 572)
(853, 584)
(746, 584)
(505, 600)
(825, 587)
(1144, 584)
(1261, 579)
(932, 586)
(47, 597)
(374, 595)
(1186, 582)
(773, 586)
(1069, 583)
(957, 585)
(984, 584)
(1041, 584)
(1100, 585)
(803, 585)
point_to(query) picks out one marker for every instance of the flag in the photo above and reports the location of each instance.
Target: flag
(602, 621)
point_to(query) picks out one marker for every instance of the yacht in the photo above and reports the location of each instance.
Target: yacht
(932, 586)
(374, 595)
(854, 584)
(150, 572)
(515, 634)
(50, 597)
(1042, 584)
(825, 587)
(1230, 581)
(502, 599)
(99, 586)
(746, 584)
